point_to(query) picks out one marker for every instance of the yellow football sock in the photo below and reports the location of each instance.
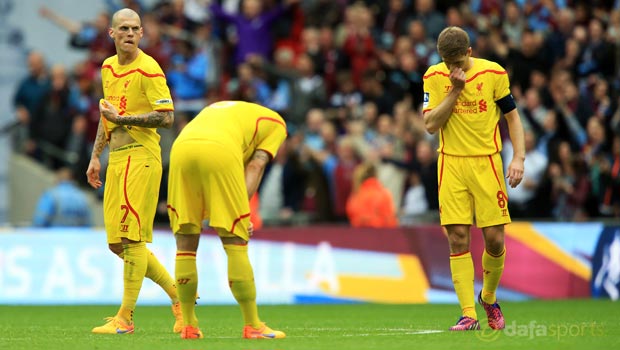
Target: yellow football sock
(462, 267)
(158, 273)
(135, 261)
(493, 267)
(186, 276)
(241, 282)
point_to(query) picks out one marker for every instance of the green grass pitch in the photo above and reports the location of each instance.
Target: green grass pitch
(568, 324)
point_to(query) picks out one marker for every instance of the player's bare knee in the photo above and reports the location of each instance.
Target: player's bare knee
(233, 240)
(187, 242)
(494, 239)
(495, 246)
(116, 248)
(458, 238)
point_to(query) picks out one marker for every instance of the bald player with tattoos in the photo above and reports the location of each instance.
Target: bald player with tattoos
(136, 102)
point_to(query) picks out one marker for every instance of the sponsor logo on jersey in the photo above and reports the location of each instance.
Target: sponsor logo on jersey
(163, 101)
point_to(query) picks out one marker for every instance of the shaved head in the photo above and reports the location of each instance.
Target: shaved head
(125, 13)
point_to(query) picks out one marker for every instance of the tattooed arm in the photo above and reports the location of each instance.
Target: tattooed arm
(94, 166)
(154, 119)
(254, 170)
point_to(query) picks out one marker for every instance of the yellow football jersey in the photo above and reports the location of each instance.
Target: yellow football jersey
(242, 126)
(136, 88)
(473, 127)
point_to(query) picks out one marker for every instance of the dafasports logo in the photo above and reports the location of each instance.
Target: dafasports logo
(533, 329)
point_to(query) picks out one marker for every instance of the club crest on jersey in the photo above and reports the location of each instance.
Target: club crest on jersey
(479, 89)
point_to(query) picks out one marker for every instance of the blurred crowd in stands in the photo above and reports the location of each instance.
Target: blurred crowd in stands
(347, 76)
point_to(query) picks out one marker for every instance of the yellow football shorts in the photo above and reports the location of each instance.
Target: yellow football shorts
(131, 194)
(207, 181)
(471, 186)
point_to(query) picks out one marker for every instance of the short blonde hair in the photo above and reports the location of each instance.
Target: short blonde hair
(452, 42)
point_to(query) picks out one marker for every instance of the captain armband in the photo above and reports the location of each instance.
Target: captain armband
(506, 103)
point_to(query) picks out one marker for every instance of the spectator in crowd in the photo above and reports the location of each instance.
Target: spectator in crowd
(597, 57)
(513, 24)
(31, 92)
(323, 13)
(248, 85)
(370, 204)
(338, 166)
(64, 205)
(609, 195)
(253, 27)
(187, 77)
(307, 87)
(522, 198)
(414, 200)
(431, 19)
(359, 45)
(392, 21)
(89, 35)
(284, 183)
(569, 184)
(425, 164)
(52, 123)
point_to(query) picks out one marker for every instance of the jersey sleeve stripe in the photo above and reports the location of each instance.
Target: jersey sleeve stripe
(148, 75)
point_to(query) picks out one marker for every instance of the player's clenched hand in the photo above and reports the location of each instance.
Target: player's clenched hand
(92, 173)
(457, 78)
(515, 172)
(108, 111)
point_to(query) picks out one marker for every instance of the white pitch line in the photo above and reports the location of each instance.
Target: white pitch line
(347, 335)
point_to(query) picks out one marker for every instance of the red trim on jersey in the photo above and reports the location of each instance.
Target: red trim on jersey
(173, 209)
(137, 70)
(495, 172)
(256, 128)
(500, 72)
(131, 209)
(435, 73)
(427, 110)
(470, 79)
(459, 254)
(440, 173)
(237, 220)
(495, 137)
(443, 142)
